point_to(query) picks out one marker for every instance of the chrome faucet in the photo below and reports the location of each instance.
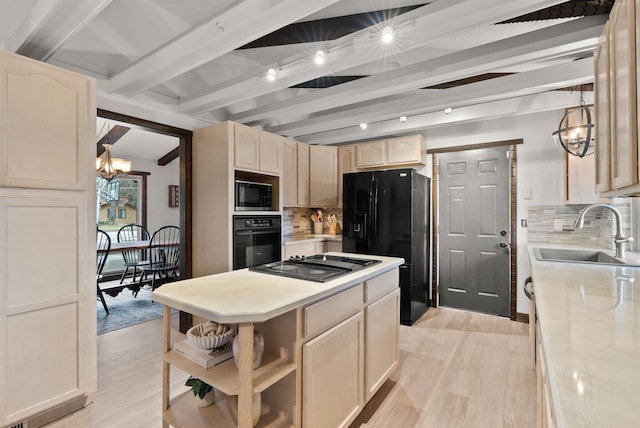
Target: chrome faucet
(619, 240)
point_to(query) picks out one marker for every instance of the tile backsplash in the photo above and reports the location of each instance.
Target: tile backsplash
(599, 224)
(297, 221)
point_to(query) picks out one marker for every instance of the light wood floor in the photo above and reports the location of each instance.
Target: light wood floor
(457, 369)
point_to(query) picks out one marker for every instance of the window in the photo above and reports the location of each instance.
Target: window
(119, 202)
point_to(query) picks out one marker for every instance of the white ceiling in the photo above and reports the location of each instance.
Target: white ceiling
(177, 62)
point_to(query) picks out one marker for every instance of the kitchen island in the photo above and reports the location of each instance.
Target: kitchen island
(328, 346)
(588, 333)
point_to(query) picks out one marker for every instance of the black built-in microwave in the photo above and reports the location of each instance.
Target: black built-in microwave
(253, 196)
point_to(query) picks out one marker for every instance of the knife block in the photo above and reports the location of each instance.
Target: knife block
(334, 229)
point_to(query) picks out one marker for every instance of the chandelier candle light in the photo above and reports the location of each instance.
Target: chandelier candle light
(575, 131)
(108, 167)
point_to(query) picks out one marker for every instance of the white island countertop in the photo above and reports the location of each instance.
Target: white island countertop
(242, 296)
(589, 319)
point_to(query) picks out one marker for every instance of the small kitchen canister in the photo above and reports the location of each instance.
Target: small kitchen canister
(317, 228)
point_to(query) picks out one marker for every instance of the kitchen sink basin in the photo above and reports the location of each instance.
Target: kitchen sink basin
(578, 256)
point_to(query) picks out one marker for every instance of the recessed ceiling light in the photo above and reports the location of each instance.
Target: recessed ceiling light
(271, 74)
(387, 35)
(319, 58)
(403, 118)
(448, 110)
(363, 126)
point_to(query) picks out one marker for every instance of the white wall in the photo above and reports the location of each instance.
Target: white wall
(158, 212)
(540, 166)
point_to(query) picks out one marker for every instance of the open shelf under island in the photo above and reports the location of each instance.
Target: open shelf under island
(328, 346)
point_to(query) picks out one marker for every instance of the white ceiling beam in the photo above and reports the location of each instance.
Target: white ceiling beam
(545, 101)
(50, 23)
(424, 24)
(235, 26)
(559, 40)
(540, 80)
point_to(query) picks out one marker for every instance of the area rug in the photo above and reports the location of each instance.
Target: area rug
(126, 310)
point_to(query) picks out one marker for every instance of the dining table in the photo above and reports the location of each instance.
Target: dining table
(137, 245)
(114, 290)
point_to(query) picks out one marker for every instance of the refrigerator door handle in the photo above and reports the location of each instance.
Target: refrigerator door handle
(374, 215)
(369, 224)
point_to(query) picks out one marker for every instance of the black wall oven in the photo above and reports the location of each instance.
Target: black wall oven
(256, 240)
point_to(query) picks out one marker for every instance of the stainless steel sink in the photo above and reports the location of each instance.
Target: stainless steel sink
(577, 256)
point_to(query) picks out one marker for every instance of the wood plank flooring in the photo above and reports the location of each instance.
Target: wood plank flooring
(457, 369)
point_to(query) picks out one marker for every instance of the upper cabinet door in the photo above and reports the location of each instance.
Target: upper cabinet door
(624, 159)
(406, 150)
(44, 125)
(346, 164)
(303, 174)
(602, 62)
(323, 176)
(246, 147)
(371, 154)
(289, 173)
(270, 153)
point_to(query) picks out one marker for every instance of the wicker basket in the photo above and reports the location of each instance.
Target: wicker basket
(197, 339)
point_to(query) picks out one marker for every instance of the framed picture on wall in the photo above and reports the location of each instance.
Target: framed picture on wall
(174, 196)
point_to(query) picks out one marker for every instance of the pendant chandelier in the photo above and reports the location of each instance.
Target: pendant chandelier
(108, 167)
(576, 132)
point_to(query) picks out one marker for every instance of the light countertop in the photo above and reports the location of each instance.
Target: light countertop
(246, 296)
(589, 318)
(309, 237)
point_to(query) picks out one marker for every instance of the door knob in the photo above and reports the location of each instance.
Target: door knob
(504, 244)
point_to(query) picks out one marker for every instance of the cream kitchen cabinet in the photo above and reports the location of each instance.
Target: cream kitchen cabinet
(302, 248)
(381, 337)
(333, 245)
(333, 375)
(310, 247)
(602, 95)
(624, 159)
(214, 149)
(394, 152)
(295, 173)
(289, 173)
(256, 150)
(371, 155)
(47, 218)
(546, 418)
(303, 175)
(346, 164)
(323, 176)
(617, 165)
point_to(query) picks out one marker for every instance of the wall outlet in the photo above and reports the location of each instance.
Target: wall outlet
(557, 224)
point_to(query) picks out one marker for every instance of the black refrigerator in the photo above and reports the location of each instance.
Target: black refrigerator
(386, 213)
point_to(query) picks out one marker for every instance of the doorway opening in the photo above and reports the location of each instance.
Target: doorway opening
(182, 155)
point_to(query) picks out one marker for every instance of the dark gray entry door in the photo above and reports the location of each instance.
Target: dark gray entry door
(474, 230)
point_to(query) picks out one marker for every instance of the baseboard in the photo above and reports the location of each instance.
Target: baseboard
(520, 317)
(57, 412)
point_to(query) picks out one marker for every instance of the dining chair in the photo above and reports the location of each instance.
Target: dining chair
(133, 259)
(103, 246)
(164, 255)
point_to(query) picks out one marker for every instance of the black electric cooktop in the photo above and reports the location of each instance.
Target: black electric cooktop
(318, 268)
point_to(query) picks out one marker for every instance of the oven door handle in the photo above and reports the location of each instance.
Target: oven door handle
(257, 232)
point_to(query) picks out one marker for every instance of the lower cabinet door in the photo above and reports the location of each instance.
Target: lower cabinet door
(381, 341)
(333, 375)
